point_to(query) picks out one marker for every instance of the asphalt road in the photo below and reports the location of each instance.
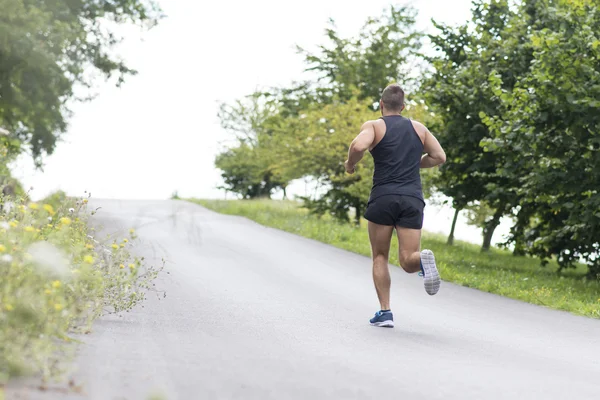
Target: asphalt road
(256, 313)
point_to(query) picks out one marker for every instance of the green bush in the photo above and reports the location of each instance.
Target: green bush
(56, 279)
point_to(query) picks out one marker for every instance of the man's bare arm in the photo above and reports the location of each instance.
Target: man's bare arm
(359, 145)
(435, 155)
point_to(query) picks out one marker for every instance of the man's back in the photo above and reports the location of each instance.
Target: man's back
(397, 154)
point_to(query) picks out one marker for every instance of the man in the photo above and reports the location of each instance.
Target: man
(397, 145)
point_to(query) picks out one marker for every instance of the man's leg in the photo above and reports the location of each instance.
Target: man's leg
(411, 260)
(409, 245)
(380, 237)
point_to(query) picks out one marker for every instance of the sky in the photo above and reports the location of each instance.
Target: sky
(159, 132)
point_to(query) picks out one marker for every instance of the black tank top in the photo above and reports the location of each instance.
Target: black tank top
(397, 160)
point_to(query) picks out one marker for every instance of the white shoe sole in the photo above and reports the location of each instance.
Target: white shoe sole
(384, 324)
(431, 277)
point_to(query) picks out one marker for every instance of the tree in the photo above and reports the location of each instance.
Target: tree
(385, 51)
(248, 167)
(459, 90)
(47, 48)
(548, 133)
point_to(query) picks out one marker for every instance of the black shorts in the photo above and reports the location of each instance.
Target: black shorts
(396, 210)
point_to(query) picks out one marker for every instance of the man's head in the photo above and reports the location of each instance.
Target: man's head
(392, 99)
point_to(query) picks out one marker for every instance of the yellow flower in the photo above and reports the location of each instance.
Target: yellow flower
(65, 221)
(49, 209)
(88, 259)
(56, 284)
(122, 245)
(58, 307)
(89, 246)
(115, 246)
(121, 266)
(131, 266)
(85, 201)
(2, 248)
(34, 206)
(8, 307)
(29, 229)
(132, 231)
(14, 224)
(125, 240)
(22, 208)
(48, 291)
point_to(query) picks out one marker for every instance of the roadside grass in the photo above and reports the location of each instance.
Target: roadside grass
(498, 271)
(57, 277)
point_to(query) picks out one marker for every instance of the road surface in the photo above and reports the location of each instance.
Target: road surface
(256, 313)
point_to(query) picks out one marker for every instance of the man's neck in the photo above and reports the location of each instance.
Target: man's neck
(389, 114)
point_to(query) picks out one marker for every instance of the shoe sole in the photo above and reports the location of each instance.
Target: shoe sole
(383, 324)
(431, 278)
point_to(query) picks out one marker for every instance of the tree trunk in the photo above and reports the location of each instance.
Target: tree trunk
(358, 210)
(450, 241)
(284, 193)
(488, 231)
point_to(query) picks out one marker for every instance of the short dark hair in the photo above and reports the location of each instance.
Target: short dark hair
(393, 97)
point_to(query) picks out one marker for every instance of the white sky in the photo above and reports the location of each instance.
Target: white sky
(159, 132)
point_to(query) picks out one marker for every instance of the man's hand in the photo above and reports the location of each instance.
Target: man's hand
(349, 167)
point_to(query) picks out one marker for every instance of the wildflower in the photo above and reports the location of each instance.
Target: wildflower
(56, 284)
(85, 201)
(58, 307)
(4, 225)
(65, 221)
(115, 246)
(29, 229)
(71, 210)
(89, 246)
(132, 231)
(50, 219)
(14, 224)
(125, 240)
(49, 209)
(34, 206)
(2, 248)
(131, 266)
(88, 259)
(6, 258)
(123, 266)
(48, 291)
(8, 307)
(122, 245)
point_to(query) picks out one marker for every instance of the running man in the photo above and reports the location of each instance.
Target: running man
(397, 145)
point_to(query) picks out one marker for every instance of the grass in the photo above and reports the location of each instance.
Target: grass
(498, 271)
(57, 278)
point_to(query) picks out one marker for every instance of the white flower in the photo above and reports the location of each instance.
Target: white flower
(4, 225)
(50, 219)
(49, 259)
(71, 210)
(6, 258)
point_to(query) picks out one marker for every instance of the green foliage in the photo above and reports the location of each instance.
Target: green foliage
(57, 277)
(459, 90)
(47, 48)
(547, 130)
(383, 52)
(496, 272)
(248, 167)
